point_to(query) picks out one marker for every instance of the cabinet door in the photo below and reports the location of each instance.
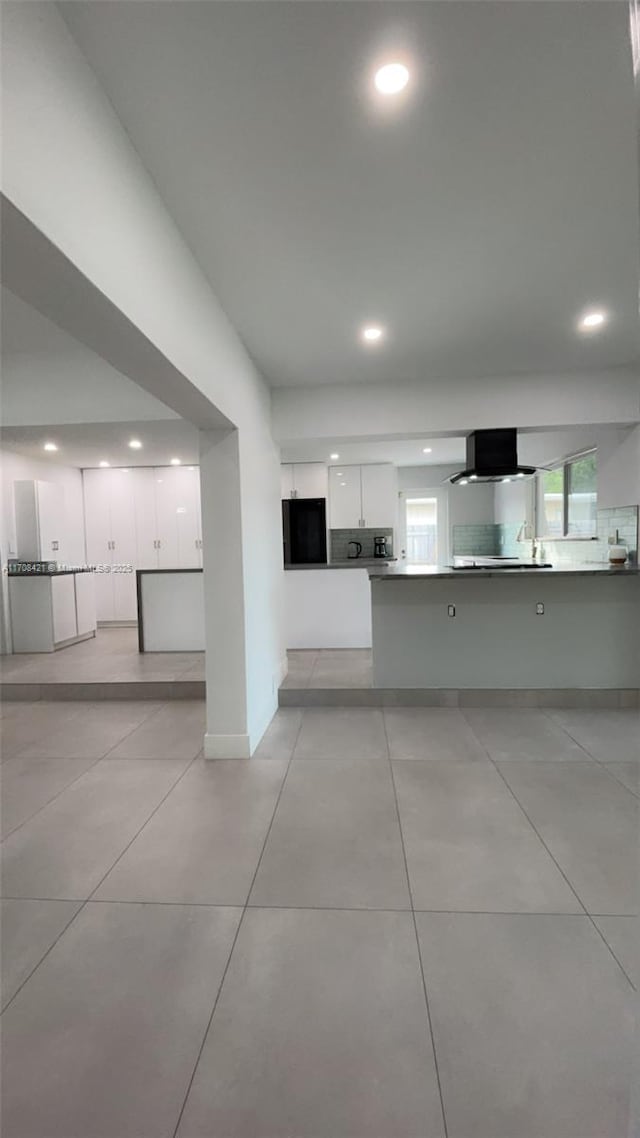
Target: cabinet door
(123, 544)
(97, 524)
(344, 497)
(63, 603)
(198, 502)
(51, 521)
(187, 518)
(144, 503)
(85, 602)
(286, 481)
(168, 499)
(310, 480)
(379, 496)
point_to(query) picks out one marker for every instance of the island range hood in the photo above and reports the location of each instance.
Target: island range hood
(492, 456)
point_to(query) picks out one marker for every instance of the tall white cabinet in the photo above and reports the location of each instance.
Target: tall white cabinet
(40, 520)
(140, 518)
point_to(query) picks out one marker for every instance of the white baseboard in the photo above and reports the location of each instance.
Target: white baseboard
(227, 746)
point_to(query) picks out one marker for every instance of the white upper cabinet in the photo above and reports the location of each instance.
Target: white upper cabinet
(363, 496)
(345, 497)
(379, 496)
(286, 480)
(40, 520)
(303, 480)
(310, 479)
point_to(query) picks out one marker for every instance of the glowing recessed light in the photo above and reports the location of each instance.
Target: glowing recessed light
(50, 446)
(175, 462)
(334, 457)
(339, 474)
(135, 444)
(104, 463)
(473, 477)
(343, 484)
(392, 78)
(594, 319)
(181, 510)
(463, 482)
(372, 333)
(520, 474)
(506, 479)
(158, 480)
(427, 450)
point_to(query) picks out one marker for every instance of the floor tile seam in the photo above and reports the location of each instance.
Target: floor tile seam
(44, 805)
(559, 867)
(86, 900)
(605, 767)
(147, 719)
(589, 758)
(233, 944)
(44, 956)
(567, 732)
(415, 933)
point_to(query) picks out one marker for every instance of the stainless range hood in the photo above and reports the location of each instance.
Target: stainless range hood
(492, 456)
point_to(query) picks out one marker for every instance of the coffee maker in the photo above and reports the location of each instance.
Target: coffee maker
(381, 547)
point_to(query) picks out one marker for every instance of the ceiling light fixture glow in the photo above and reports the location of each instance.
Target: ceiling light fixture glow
(175, 462)
(392, 78)
(50, 446)
(594, 319)
(506, 479)
(135, 444)
(104, 463)
(463, 482)
(334, 457)
(427, 450)
(473, 477)
(372, 333)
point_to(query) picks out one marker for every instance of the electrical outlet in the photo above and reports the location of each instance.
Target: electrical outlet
(539, 609)
(451, 610)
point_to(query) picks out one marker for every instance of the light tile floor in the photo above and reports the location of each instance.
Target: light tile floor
(410, 923)
(311, 668)
(111, 656)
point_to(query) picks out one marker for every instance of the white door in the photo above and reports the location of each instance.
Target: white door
(187, 518)
(168, 499)
(310, 479)
(379, 496)
(286, 480)
(123, 544)
(97, 523)
(144, 502)
(345, 498)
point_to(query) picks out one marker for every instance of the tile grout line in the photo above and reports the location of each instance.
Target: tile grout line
(586, 912)
(415, 929)
(73, 781)
(87, 899)
(603, 766)
(237, 934)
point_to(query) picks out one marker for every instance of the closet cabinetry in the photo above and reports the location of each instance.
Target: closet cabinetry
(140, 518)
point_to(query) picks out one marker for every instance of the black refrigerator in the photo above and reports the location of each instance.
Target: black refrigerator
(304, 531)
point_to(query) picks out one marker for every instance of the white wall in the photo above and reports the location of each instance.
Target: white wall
(14, 468)
(67, 162)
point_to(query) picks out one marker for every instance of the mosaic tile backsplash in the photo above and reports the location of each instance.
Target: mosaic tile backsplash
(339, 541)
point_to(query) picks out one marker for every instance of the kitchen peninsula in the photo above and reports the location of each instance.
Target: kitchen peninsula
(530, 629)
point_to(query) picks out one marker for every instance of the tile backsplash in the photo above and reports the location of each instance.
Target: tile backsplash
(339, 541)
(501, 540)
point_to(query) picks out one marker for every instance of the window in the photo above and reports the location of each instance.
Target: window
(422, 531)
(569, 498)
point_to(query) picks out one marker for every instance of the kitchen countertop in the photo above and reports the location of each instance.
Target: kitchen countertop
(352, 563)
(418, 572)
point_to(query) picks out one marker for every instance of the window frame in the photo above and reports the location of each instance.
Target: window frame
(563, 466)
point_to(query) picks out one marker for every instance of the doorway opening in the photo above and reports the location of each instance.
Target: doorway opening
(421, 528)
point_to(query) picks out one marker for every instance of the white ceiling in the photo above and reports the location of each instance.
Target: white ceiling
(402, 452)
(87, 444)
(477, 221)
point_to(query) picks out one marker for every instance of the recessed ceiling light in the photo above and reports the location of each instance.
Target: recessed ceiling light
(343, 484)
(594, 319)
(506, 479)
(50, 446)
(392, 78)
(339, 474)
(473, 477)
(463, 482)
(372, 333)
(427, 450)
(334, 457)
(135, 444)
(520, 474)
(104, 463)
(175, 462)
(158, 480)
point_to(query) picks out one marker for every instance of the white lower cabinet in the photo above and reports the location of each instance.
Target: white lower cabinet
(63, 604)
(48, 612)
